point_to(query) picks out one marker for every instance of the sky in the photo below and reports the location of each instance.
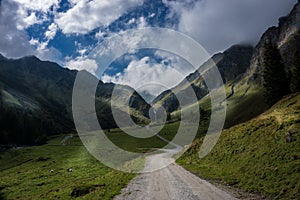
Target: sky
(66, 31)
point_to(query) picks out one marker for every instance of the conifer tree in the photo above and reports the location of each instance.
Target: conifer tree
(276, 83)
(295, 73)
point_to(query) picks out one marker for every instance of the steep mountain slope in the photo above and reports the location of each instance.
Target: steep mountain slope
(232, 64)
(286, 36)
(241, 69)
(261, 155)
(36, 100)
(249, 100)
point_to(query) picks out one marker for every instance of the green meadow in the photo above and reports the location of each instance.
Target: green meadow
(25, 173)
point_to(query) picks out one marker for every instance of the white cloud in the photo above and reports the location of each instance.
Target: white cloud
(82, 49)
(31, 19)
(99, 35)
(49, 53)
(15, 17)
(131, 21)
(51, 32)
(38, 5)
(142, 22)
(44, 53)
(26, 11)
(152, 15)
(42, 45)
(83, 63)
(145, 76)
(87, 15)
(33, 42)
(181, 65)
(218, 24)
(13, 41)
(74, 2)
(36, 43)
(25, 18)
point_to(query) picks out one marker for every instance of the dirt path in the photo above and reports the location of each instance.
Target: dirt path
(172, 182)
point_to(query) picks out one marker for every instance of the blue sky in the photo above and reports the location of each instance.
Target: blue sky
(65, 31)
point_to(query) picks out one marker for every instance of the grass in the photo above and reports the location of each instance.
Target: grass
(25, 173)
(246, 103)
(135, 144)
(18, 100)
(255, 155)
(8, 98)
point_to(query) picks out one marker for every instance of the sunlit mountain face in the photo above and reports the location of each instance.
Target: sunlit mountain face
(66, 31)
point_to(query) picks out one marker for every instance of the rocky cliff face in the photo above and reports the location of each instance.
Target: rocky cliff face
(286, 36)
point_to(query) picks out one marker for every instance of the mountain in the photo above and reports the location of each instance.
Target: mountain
(241, 68)
(249, 100)
(232, 63)
(36, 99)
(286, 36)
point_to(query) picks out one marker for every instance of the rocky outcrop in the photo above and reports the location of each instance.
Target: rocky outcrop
(286, 36)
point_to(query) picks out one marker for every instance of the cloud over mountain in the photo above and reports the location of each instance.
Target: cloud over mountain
(147, 76)
(218, 24)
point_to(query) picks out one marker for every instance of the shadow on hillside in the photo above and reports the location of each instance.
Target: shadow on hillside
(1, 194)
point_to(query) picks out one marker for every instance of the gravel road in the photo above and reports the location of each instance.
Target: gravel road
(172, 182)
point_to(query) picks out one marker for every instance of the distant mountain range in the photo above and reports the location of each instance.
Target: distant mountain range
(36, 99)
(36, 95)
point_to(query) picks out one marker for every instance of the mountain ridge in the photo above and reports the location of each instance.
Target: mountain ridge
(41, 92)
(231, 63)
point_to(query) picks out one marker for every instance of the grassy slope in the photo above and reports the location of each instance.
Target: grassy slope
(25, 173)
(245, 104)
(255, 155)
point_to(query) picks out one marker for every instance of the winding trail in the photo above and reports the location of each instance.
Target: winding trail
(64, 141)
(232, 92)
(172, 182)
